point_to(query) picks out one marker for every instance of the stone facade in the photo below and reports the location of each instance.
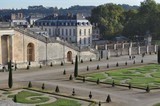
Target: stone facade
(21, 46)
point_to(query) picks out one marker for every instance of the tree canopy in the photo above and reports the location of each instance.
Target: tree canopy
(112, 19)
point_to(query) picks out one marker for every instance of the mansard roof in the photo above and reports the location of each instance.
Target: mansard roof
(64, 17)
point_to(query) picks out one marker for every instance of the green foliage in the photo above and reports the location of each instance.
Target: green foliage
(15, 98)
(21, 97)
(57, 89)
(84, 79)
(51, 64)
(64, 72)
(98, 67)
(73, 92)
(158, 55)
(63, 102)
(10, 80)
(76, 67)
(98, 81)
(108, 17)
(139, 76)
(108, 100)
(29, 84)
(87, 68)
(90, 95)
(70, 77)
(43, 86)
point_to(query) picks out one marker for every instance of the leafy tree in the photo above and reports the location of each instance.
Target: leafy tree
(10, 80)
(76, 67)
(108, 17)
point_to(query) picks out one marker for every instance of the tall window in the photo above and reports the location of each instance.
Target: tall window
(80, 42)
(70, 32)
(84, 31)
(62, 32)
(66, 31)
(89, 40)
(74, 32)
(80, 32)
(84, 41)
(89, 31)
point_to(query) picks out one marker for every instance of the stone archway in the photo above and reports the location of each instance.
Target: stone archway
(30, 52)
(5, 48)
(69, 56)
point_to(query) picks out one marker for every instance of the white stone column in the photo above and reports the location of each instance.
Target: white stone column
(155, 48)
(106, 47)
(130, 45)
(129, 51)
(147, 49)
(115, 46)
(139, 50)
(122, 45)
(0, 50)
(108, 53)
(96, 47)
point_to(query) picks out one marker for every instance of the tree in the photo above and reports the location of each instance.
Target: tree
(158, 55)
(76, 67)
(108, 17)
(10, 80)
(64, 72)
(98, 81)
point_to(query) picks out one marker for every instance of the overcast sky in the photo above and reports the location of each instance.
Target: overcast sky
(4, 4)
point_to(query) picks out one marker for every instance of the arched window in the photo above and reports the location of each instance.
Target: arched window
(69, 56)
(30, 52)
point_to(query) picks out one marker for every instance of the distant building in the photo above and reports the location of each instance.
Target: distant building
(95, 32)
(18, 20)
(72, 28)
(34, 17)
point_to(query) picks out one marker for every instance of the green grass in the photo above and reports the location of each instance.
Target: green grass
(7, 92)
(63, 102)
(158, 104)
(23, 97)
(138, 76)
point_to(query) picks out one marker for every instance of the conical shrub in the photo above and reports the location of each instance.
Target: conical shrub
(117, 64)
(51, 64)
(43, 86)
(98, 81)
(84, 79)
(61, 63)
(29, 84)
(90, 95)
(57, 89)
(98, 67)
(126, 63)
(73, 92)
(90, 59)
(87, 68)
(107, 65)
(142, 61)
(15, 98)
(81, 60)
(147, 89)
(130, 86)
(70, 77)
(108, 100)
(64, 72)
(113, 83)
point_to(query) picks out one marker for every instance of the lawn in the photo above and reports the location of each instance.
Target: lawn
(30, 97)
(63, 102)
(138, 76)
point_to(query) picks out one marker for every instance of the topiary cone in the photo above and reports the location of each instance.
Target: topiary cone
(57, 89)
(108, 100)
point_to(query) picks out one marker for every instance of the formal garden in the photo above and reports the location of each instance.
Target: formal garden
(140, 76)
(39, 99)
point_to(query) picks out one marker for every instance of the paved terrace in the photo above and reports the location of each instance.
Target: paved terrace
(53, 76)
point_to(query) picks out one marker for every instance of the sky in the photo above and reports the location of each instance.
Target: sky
(9, 4)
